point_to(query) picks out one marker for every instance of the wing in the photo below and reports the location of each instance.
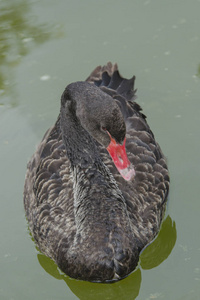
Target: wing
(151, 183)
(47, 186)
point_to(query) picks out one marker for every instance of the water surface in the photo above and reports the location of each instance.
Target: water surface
(44, 45)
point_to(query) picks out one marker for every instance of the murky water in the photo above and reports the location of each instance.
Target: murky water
(44, 45)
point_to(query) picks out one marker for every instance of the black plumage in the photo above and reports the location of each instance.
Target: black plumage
(81, 212)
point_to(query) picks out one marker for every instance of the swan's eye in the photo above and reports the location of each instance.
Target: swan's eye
(103, 128)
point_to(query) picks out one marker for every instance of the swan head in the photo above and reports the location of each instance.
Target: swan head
(100, 115)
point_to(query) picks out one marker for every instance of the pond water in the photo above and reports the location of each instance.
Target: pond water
(44, 45)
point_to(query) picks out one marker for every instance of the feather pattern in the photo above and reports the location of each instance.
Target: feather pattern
(84, 215)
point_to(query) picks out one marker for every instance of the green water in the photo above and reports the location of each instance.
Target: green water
(44, 45)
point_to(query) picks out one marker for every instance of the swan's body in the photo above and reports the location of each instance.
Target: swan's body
(81, 212)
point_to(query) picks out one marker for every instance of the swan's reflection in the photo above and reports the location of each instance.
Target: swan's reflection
(128, 288)
(161, 247)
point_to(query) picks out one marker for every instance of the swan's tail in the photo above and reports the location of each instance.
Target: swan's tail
(111, 82)
(96, 74)
(109, 77)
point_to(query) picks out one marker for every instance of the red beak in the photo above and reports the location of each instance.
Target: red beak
(120, 159)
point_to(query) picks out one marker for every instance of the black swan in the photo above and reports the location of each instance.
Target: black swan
(96, 188)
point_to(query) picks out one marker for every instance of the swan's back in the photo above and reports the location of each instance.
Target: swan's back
(49, 194)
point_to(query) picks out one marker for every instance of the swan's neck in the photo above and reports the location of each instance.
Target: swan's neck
(80, 146)
(99, 205)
